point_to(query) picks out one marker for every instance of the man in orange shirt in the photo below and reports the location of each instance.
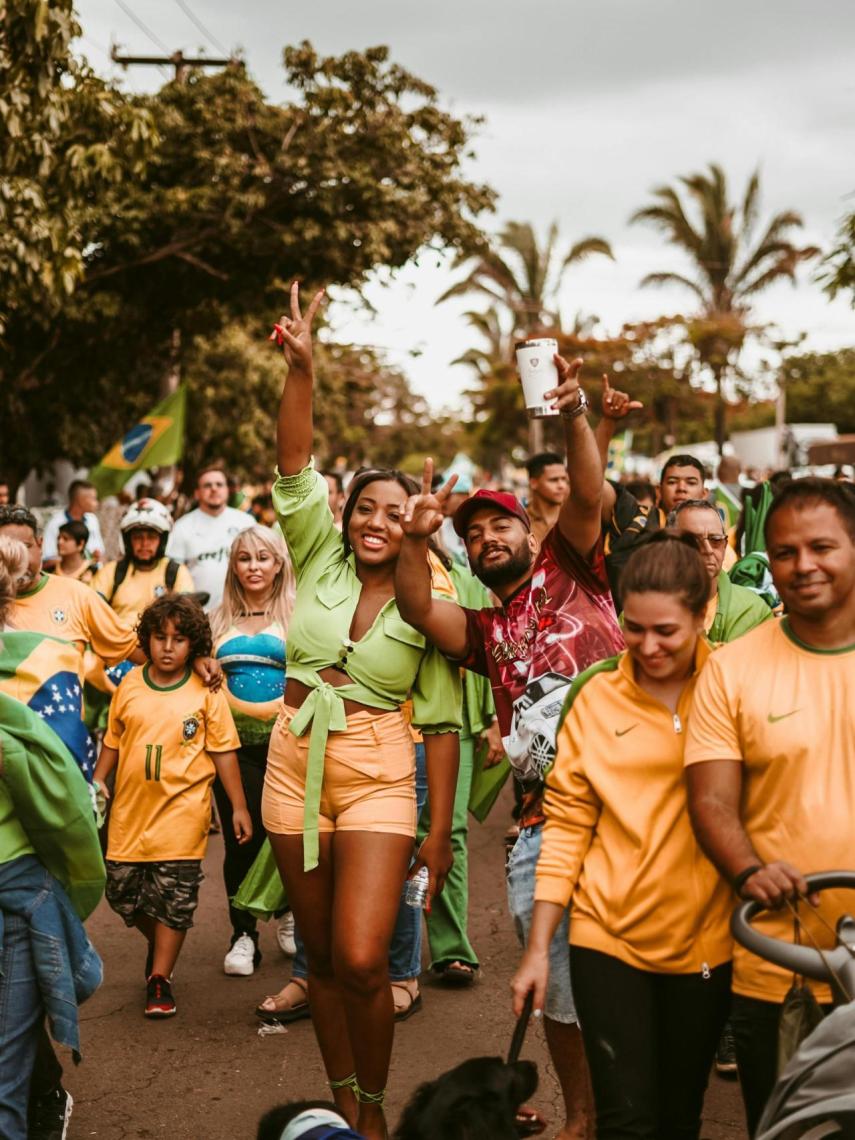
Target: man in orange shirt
(770, 754)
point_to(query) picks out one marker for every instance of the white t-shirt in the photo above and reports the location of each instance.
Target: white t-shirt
(202, 542)
(96, 542)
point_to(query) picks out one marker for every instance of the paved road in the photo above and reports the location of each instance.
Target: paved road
(207, 1075)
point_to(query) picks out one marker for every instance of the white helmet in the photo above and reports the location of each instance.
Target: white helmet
(148, 513)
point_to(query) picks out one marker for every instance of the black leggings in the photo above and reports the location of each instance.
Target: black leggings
(650, 1040)
(239, 857)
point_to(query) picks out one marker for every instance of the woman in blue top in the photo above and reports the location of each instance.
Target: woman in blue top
(249, 628)
(339, 796)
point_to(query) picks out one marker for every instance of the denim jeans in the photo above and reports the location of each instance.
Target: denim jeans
(405, 952)
(522, 865)
(21, 1014)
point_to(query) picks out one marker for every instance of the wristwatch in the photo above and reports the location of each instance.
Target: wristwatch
(579, 410)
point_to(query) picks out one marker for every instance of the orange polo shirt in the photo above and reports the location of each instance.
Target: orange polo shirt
(784, 711)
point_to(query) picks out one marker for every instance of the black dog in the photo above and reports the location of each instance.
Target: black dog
(478, 1100)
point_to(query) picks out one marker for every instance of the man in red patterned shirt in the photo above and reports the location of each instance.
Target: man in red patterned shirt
(556, 619)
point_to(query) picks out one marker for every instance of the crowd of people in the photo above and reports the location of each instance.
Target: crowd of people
(348, 670)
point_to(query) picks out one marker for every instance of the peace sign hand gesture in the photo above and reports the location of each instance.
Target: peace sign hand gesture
(617, 405)
(294, 334)
(423, 513)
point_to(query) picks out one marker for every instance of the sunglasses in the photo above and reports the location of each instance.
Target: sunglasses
(716, 541)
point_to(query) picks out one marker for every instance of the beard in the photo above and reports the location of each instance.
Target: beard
(500, 573)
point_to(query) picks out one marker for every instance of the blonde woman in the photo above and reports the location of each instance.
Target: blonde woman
(249, 628)
(13, 575)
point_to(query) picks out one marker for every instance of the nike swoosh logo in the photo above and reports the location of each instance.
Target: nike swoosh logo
(783, 716)
(623, 732)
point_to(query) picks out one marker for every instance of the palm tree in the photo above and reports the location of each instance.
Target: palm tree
(523, 277)
(730, 263)
(496, 351)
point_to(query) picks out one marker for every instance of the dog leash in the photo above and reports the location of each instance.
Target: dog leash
(520, 1028)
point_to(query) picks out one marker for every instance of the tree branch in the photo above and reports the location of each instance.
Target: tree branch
(203, 265)
(172, 249)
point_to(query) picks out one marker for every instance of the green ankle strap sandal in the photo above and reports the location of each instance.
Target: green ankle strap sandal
(364, 1097)
(346, 1083)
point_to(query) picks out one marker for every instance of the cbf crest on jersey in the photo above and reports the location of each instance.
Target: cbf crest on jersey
(59, 616)
(190, 726)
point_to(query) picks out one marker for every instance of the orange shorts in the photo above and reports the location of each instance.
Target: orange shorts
(369, 777)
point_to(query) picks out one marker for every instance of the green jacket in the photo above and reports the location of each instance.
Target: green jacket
(45, 806)
(479, 708)
(738, 611)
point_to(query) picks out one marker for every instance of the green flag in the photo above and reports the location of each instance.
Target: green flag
(156, 441)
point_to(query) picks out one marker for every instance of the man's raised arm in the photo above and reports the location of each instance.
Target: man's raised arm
(443, 623)
(580, 517)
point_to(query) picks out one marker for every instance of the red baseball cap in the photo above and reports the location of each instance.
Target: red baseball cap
(502, 500)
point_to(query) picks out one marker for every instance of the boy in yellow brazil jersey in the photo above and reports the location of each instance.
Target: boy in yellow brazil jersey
(167, 737)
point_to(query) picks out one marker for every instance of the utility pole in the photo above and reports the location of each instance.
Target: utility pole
(181, 62)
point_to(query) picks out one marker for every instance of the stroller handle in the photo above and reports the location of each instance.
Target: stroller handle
(804, 959)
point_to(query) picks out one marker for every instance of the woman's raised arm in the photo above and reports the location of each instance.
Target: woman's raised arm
(294, 428)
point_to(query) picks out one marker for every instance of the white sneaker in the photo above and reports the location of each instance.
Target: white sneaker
(285, 935)
(240, 960)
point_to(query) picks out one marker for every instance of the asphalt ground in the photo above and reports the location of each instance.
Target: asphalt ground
(206, 1074)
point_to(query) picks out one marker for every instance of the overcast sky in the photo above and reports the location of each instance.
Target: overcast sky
(588, 105)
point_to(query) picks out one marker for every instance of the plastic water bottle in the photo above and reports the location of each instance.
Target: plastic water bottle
(416, 893)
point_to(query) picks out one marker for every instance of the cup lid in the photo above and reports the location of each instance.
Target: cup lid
(537, 342)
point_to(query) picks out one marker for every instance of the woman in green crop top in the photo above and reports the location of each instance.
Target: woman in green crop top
(339, 795)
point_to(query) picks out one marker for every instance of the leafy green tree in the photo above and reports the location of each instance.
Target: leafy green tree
(653, 363)
(365, 410)
(731, 260)
(522, 276)
(363, 169)
(820, 388)
(65, 137)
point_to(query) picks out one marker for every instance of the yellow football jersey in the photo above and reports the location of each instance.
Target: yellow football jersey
(65, 608)
(161, 806)
(139, 589)
(784, 711)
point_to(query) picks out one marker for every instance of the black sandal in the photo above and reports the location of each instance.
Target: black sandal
(457, 974)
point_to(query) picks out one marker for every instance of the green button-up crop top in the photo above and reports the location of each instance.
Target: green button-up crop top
(389, 664)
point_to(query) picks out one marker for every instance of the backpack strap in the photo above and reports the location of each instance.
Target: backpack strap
(121, 572)
(172, 568)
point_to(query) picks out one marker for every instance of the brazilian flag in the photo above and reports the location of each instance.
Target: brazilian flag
(156, 441)
(728, 506)
(42, 673)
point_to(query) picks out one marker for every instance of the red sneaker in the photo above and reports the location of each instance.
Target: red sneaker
(159, 1001)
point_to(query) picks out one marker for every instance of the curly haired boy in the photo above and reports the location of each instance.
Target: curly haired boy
(167, 737)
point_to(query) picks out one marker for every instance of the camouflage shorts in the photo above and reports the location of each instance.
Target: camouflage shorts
(168, 892)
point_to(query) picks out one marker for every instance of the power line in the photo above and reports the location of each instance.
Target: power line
(143, 28)
(97, 46)
(188, 12)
